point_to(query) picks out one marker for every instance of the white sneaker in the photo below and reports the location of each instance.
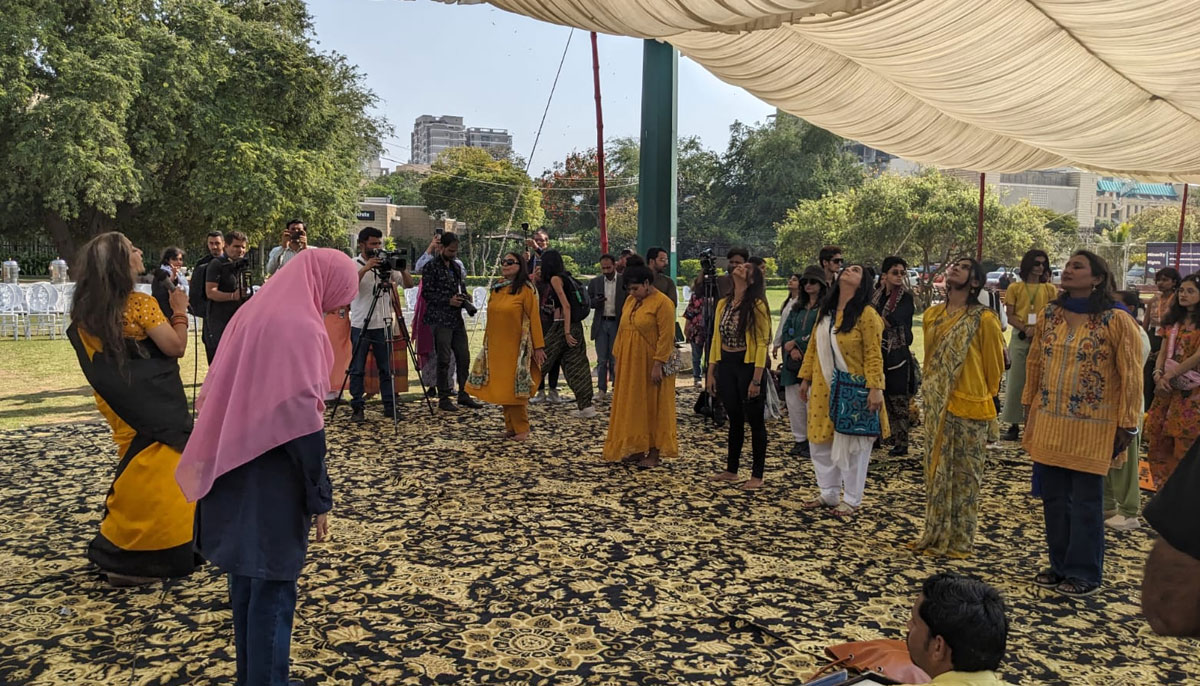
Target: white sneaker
(586, 413)
(602, 395)
(553, 397)
(1122, 523)
(539, 398)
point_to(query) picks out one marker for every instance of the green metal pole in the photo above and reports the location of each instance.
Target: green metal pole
(657, 171)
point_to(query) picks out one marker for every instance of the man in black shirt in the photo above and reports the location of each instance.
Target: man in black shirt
(197, 299)
(1171, 585)
(443, 286)
(222, 287)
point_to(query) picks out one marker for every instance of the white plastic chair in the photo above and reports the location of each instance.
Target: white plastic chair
(687, 294)
(479, 299)
(13, 311)
(45, 309)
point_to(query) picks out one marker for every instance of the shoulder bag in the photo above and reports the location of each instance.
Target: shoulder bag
(887, 658)
(848, 400)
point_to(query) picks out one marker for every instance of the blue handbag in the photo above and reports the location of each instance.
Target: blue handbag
(848, 402)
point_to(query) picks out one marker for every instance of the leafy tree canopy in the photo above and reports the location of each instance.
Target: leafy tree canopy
(403, 187)
(166, 119)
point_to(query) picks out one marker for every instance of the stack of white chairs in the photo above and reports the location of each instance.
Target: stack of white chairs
(13, 311)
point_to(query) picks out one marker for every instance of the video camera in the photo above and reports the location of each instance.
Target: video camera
(708, 263)
(389, 261)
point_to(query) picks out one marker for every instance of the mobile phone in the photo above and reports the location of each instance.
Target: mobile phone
(439, 231)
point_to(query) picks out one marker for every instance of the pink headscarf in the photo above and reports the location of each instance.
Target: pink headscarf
(268, 382)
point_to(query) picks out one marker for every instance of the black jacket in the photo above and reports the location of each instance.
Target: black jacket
(595, 291)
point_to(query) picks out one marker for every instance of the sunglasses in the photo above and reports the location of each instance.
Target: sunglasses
(837, 260)
(814, 282)
(509, 263)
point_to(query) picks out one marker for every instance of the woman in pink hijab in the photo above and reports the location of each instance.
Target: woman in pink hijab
(255, 465)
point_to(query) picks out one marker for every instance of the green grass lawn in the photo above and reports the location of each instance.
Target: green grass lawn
(40, 380)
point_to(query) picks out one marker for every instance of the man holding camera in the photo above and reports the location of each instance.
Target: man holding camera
(534, 247)
(372, 335)
(224, 287)
(295, 239)
(444, 289)
(607, 295)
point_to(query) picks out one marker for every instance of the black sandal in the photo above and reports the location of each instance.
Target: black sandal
(1076, 588)
(1048, 579)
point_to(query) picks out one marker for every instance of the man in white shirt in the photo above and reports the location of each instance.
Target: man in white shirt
(606, 292)
(295, 239)
(374, 332)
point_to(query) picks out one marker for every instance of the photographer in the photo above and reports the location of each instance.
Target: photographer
(443, 288)
(295, 239)
(224, 289)
(535, 246)
(371, 271)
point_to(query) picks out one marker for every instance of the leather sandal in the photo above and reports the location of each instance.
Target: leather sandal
(1048, 579)
(1076, 588)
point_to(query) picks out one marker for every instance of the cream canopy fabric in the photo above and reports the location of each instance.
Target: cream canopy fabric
(988, 85)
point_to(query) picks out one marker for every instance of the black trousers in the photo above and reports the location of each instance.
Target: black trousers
(447, 340)
(734, 375)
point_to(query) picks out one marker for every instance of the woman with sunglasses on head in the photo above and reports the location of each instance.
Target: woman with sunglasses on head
(1023, 302)
(737, 363)
(798, 318)
(168, 277)
(1083, 396)
(848, 339)
(894, 303)
(1174, 420)
(507, 370)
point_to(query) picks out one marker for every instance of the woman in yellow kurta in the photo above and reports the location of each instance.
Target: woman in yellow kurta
(964, 360)
(641, 426)
(1083, 392)
(508, 368)
(1023, 301)
(129, 352)
(848, 335)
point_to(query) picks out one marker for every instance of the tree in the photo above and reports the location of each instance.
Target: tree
(403, 187)
(768, 168)
(1161, 224)
(166, 119)
(473, 187)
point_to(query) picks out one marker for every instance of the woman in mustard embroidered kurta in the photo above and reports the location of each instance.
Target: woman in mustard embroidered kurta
(507, 369)
(641, 426)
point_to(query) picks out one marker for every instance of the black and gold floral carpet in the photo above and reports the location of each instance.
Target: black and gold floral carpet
(458, 557)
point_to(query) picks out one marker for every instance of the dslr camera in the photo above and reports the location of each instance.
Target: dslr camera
(467, 304)
(389, 261)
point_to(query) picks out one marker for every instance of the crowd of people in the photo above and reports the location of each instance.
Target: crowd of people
(1077, 363)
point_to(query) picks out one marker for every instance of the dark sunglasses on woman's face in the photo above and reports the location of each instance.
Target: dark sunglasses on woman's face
(837, 260)
(808, 282)
(509, 263)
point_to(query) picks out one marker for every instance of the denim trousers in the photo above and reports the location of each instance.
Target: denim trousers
(1073, 505)
(375, 342)
(262, 629)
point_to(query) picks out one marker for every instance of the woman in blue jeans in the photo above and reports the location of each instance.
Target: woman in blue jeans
(257, 465)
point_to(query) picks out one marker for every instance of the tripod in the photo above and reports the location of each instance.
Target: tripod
(380, 288)
(709, 405)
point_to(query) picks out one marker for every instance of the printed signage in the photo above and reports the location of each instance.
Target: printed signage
(1159, 255)
(365, 215)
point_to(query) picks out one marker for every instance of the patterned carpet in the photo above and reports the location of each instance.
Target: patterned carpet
(464, 559)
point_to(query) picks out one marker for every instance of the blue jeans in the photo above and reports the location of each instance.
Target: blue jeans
(376, 343)
(605, 331)
(697, 361)
(262, 629)
(1073, 505)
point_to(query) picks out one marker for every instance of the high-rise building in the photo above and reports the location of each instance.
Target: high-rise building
(489, 138)
(431, 135)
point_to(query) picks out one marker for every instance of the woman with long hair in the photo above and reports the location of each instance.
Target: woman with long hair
(564, 339)
(1166, 283)
(168, 277)
(1083, 392)
(798, 319)
(848, 338)
(255, 465)
(1023, 303)
(642, 426)
(129, 352)
(1174, 420)
(508, 367)
(895, 305)
(964, 361)
(737, 363)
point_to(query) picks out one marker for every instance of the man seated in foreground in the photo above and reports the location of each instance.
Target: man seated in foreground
(958, 631)
(1171, 585)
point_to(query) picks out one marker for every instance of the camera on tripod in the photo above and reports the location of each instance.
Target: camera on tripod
(389, 261)
(708, 263)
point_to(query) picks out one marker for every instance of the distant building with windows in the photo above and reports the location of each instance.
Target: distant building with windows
(431, 135)
(1119, 200)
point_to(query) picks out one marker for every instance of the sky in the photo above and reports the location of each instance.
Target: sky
(496, 69)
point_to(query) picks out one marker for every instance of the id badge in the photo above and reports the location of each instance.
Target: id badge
(1031, 319)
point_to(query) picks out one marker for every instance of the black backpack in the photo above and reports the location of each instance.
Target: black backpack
(580, 309)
